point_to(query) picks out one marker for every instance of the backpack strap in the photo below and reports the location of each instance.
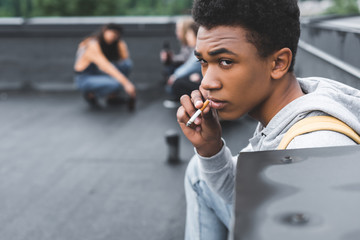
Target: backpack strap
(317, 123)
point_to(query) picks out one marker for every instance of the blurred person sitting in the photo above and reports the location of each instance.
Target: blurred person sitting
(170, 60)
(186, 77)
(102, 67)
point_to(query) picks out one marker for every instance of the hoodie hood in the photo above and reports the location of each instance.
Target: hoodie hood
(323, 97)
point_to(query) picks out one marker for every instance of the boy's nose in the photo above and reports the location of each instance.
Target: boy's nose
(210, 80)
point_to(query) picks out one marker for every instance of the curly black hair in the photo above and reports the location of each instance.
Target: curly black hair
(271, 24)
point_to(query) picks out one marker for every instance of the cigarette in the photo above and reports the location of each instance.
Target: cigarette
(197, 113)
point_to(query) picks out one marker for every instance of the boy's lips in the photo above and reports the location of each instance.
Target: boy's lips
(217, 104)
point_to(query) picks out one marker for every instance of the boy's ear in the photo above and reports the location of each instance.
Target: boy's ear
(281, 62)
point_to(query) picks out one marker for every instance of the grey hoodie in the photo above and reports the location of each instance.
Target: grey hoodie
(323, 97)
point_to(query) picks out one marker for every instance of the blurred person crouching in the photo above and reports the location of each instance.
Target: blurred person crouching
(102, 67)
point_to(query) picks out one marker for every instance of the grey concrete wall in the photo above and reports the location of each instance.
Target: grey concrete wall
(340, 42)
(334, 49)
(40, 51)
(308, 65)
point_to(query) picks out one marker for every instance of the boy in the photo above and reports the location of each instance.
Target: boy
(247, 50)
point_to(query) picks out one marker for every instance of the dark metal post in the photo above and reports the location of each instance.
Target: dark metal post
(172, 140)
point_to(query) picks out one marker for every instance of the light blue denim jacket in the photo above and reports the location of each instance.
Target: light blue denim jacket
(192, 65)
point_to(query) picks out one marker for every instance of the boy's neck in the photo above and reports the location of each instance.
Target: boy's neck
(285, 90)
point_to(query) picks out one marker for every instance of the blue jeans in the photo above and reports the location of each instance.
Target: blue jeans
(208, 217)
(99, 83)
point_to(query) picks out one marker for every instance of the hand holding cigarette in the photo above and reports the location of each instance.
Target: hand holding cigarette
(204, 133)
(197, 113)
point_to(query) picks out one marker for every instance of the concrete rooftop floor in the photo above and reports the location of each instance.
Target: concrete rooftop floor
(70, 172)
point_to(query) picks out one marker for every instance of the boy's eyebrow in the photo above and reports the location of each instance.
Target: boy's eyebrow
(220, 51)
(216, 52)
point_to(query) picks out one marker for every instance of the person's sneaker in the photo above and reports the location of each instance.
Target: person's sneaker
(131, 104)
(171, 104)
(91, 99)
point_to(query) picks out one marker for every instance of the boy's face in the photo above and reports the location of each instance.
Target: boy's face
(236, 79)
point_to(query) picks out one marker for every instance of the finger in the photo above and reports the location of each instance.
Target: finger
(197, 99)
(210, 121)
(181, 115)
(188, 105)
(190, 109)
(182, 118)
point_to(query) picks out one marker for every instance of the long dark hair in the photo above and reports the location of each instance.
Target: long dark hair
(111, 51)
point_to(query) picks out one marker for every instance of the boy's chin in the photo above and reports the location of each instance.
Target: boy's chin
(226, 116)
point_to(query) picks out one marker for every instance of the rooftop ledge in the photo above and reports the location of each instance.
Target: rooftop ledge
(89, 20)
(339, 23)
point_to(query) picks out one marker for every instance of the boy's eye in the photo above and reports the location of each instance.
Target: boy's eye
(202, 61)
(225, 62)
